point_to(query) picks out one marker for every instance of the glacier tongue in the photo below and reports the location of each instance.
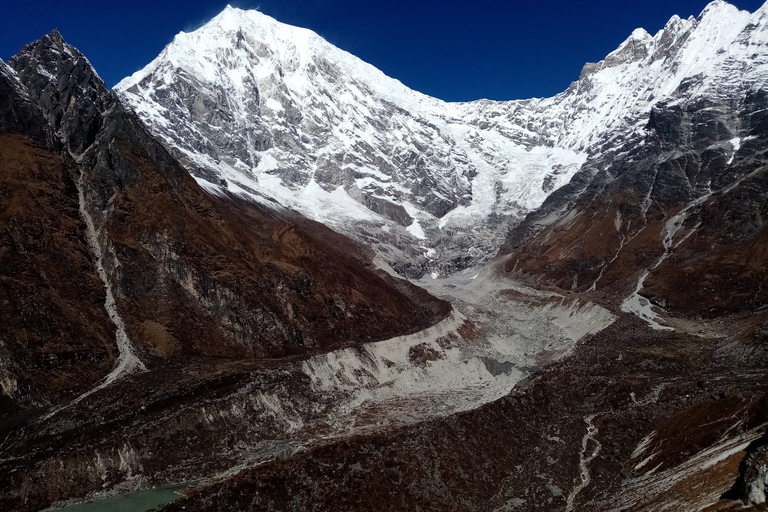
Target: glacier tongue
(277, 114)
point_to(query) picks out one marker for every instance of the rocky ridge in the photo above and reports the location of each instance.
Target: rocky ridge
(683, 202)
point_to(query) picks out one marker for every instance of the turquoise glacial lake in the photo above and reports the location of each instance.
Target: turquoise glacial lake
(140, 501)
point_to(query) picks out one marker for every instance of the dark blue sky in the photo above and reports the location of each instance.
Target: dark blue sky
(457, 51)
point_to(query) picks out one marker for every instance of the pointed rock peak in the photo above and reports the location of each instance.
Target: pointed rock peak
(51, 43)
(674, 21)
(234, 18)
(634, 48)
(675, 26)
(73, 95)
(55, 35)
(230, 12)
(53, 40)
(234, 26)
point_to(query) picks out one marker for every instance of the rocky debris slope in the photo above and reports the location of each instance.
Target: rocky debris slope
(274, 112)
(209, 419)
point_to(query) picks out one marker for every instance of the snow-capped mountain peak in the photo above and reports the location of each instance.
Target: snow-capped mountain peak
(276, 113)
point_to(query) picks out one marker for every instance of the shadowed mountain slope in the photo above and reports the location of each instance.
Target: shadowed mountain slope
(186, 273)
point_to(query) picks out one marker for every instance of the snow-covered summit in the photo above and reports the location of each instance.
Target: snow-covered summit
(277, 113)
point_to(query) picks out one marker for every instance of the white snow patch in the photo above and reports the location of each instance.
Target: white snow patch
(273, 104)
(584, 460)
(642, 307)
(127, 360)
(491, 158)
(643, 445)
(735, 145)
(416, 230)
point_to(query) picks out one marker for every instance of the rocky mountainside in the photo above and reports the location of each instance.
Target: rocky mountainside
(170, 316)
(55, 334)
(142, 311)
(276, 113)
(675, 215)
(209, 263)
(116, 264)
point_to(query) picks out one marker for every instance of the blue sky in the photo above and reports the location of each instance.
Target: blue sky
(456, 51)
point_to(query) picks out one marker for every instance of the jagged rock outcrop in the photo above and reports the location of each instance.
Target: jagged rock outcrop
(67, 89)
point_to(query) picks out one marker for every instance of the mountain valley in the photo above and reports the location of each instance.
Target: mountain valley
(262, 269)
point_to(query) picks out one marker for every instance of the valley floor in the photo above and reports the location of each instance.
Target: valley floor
(521, 396)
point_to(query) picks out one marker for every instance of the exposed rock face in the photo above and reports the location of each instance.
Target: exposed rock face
(679, 208)
(18, 113)
(199, 268)
(683, 203)
(754, 474)
(62, 82)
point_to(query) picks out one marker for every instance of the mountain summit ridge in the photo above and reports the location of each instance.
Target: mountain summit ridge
(278, 114)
